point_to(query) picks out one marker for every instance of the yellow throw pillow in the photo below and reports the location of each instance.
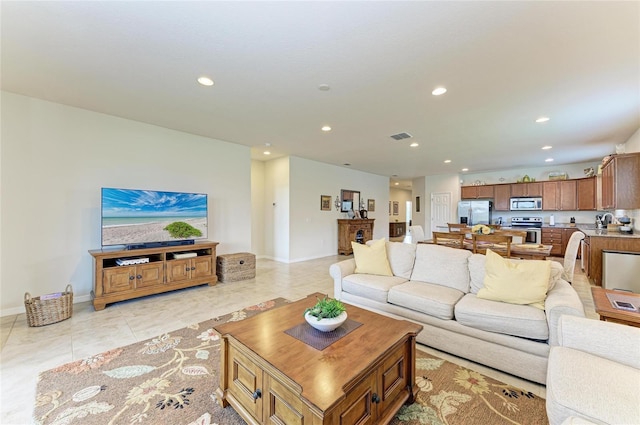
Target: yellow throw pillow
(372, 259)
(524, 282)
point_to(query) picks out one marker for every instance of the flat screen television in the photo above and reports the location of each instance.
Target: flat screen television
(149, 218)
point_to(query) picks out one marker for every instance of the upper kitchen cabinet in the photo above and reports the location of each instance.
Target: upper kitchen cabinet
(501, 195)
(520, 190)
(621, 182)
(560, 195)
(587, 194)
(476, 192)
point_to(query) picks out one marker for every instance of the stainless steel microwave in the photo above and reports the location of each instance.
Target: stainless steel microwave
(526, 204)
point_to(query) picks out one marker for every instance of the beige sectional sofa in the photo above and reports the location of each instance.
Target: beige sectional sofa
(437, 286)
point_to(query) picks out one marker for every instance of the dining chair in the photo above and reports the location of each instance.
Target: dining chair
(501, 244)
(570, 255)
(454, 240)
(517, 236)
(454, 227)
(417, 234)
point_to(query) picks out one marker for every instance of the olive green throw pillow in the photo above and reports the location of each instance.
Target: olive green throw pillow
(372, 259)
(524, 282)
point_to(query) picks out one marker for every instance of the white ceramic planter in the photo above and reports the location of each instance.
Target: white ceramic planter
(326, 325)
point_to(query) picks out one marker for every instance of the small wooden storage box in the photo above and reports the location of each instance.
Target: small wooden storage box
(234, 267)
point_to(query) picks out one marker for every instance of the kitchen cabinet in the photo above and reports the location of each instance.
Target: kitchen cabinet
(559, 195)
(550, 195)
(553, 236)
(587, 193)
(501, 196)
(477, 192)
(520, 190)
(621, 182)
(596, 244)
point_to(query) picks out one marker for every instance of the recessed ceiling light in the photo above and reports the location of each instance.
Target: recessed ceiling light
(465, 169)
(266, 153)
(347, 164)
(326, 128)
(267, 144)
(205, 81)
(324, 87)
(548, 160)
(544, 148)
(438, 91)
(542, 119)
(447, 161)
(396, 183)
(414, 145)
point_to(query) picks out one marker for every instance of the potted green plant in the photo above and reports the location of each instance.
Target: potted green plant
(327, 315)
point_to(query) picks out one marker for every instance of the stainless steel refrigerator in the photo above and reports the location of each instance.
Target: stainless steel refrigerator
(474, 212)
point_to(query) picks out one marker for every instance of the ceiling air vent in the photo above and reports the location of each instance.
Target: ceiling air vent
(401, 136)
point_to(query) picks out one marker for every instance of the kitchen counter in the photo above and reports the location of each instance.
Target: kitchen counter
(606, 234)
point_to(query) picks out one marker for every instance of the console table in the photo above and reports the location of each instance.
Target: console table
(163, 271)
(356, 230)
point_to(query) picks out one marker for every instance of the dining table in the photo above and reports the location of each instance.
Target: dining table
(525, 251)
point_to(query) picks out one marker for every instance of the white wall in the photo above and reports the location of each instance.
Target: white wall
(276, 209)
(56, 158)
(314, 233)
(257, 208)
(401, 196)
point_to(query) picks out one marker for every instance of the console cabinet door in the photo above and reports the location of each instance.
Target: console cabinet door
(118, 279)
(202, 266)
(178, 270)
(281, 405)
(358, 407)
(149, 274)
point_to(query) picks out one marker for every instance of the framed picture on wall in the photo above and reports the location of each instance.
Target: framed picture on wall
(325, 203)
(389, 207)
(417, 204)
(371, 205)
(395, 207)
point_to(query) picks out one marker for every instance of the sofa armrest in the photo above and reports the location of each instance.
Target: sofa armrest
(562, 299)
(612, 341)
(339, 271)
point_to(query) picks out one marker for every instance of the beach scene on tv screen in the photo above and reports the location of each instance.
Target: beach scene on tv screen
(139, 216)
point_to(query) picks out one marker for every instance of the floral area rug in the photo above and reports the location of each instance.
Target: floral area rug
(172, 379)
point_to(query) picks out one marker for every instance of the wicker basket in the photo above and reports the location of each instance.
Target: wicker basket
(235, 267)
(48, 309)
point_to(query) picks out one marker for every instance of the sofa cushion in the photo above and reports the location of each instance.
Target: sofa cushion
(370, 286)
(372, 259)
(401, 257)
(434, 300)
(516, 283)
(477, 271)
(442, 265)
(495, 316)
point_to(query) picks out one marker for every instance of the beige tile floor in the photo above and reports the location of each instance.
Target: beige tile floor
(26, 351)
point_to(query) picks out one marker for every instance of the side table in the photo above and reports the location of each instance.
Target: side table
(608, 313)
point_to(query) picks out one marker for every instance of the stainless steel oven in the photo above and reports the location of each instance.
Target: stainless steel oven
(532, 225)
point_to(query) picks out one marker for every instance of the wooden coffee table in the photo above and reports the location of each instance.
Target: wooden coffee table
(271, 377)
(609, 313)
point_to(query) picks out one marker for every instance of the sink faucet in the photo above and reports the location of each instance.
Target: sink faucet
(605, 215)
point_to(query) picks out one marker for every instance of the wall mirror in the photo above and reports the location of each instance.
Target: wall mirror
(350, 200)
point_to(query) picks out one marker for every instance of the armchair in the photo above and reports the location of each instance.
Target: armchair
(593, 374)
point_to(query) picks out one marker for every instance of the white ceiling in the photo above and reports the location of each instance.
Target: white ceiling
(504, 65)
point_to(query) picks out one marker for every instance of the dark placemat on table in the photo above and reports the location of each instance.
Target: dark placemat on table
(320, 340)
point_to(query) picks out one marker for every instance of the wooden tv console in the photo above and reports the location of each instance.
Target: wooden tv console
(161, 273)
